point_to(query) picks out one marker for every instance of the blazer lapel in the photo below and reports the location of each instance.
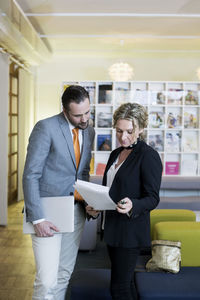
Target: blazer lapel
(67, 135)
(132, 156)
(114, 157)
(111, 160)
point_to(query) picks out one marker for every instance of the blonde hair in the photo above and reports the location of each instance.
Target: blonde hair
(132, 112)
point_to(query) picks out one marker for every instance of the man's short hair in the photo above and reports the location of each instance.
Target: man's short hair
(74, 93)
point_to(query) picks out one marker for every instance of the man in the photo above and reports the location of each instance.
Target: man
(51, 169)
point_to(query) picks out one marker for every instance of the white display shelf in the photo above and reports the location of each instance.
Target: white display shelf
(174, 121)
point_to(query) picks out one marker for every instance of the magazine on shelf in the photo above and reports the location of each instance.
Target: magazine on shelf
(92, 117)
(190, 118)
(66, 86)
(171, 167)
(191, 97)
(122, 95)
(91, 91)
(190, 143)
(174, 119)
(175, 96)
(173, 141)
(144, 136)
(189, 167)
(100, 168)
(92, 165)
(104, 142)
(156, 141)
(157, 97)
(156, 119)
(140, 97)
(104, 119)
(105, 94)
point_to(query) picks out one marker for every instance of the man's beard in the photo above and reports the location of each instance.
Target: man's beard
(83, 125)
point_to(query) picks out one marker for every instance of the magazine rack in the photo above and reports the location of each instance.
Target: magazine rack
(174, 121)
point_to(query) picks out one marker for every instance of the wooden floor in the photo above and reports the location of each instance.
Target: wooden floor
(17, 269)
(16, 258)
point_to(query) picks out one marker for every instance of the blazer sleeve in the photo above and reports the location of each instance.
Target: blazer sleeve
(37, 152)
(151, 174)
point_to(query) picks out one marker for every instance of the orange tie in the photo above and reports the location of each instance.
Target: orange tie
(77, 153)
(76, 146)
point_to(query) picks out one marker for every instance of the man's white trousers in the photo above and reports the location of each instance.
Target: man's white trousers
(55, 258)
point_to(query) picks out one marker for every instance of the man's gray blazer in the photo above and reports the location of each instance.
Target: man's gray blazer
(50, 167)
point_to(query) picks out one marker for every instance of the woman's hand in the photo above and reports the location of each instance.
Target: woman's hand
(90, 211)
(124, 206)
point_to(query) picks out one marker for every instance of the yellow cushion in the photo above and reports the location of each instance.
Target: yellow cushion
(163, 215)
(188, 233)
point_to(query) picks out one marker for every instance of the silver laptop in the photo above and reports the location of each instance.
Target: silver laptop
(58, 210)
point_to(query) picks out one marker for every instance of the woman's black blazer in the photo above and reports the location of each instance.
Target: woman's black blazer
(138, 178)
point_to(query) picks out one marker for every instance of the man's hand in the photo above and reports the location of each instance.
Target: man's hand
(90, 211)
(45, 228)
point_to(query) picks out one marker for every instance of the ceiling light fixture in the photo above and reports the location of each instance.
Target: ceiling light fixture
(121, 71)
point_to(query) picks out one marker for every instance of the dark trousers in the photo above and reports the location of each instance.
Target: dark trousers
(123, 262)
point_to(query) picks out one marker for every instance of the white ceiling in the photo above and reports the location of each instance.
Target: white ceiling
(116, 25)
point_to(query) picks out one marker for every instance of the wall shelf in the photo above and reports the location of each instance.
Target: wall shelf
(174, 121)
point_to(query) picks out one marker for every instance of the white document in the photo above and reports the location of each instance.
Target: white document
(58, 210)
(95, 195)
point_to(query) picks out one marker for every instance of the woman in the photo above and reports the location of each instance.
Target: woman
(133, 173)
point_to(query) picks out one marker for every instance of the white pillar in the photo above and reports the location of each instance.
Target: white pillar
(4, 100)
(26, 121)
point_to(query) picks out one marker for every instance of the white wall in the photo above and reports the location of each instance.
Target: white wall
(26, 120)
(147, 66)
(4, 88)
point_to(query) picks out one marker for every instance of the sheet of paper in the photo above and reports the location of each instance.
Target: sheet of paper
(58, 210)
(95, 195)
